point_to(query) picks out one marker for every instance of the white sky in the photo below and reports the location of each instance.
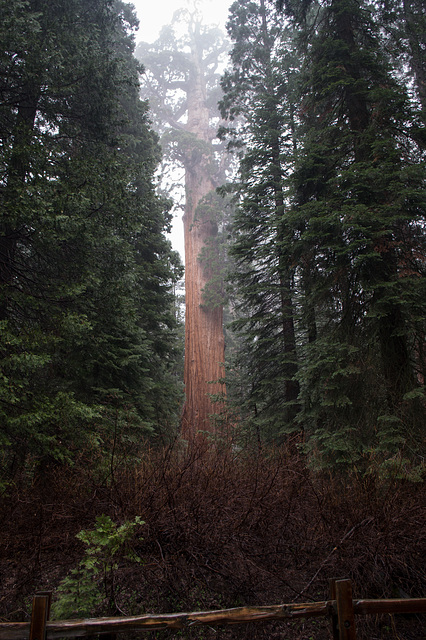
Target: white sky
(154, 14)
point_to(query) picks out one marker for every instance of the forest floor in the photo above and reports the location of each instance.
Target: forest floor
(221, 529)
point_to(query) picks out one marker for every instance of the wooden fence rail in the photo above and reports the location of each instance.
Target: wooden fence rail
(341, 608)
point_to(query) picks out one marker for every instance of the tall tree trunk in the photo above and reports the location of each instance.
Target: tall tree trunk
(18, 168)
(415, 22)
(391, 325)
(291, 385)
(204, 339)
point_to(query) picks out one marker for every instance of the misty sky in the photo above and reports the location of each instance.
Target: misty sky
(153, 14)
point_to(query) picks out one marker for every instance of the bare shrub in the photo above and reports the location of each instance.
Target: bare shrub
(225, 528)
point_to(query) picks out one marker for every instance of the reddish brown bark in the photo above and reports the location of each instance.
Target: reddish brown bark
(204, 340)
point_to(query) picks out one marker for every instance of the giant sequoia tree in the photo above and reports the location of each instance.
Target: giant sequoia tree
(86, 342)
(182, 84)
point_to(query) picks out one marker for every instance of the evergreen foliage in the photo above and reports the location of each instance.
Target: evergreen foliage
(258, 100)
(91, 586)
(85, 270)
(350, 229)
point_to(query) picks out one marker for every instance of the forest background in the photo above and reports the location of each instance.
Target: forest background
(311, 464)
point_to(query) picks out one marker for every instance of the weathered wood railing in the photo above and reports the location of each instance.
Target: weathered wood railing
(341, 608)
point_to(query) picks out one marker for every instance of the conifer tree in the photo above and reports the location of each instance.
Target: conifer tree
(404, 22)
(258, 103)
(351, 229)
(85, 270)
(358, 214)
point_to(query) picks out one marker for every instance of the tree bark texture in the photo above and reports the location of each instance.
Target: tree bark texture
(204, 339)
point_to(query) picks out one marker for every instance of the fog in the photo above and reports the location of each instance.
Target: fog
(152, 17)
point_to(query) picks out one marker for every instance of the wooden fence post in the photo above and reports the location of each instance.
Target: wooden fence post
(345, 610)
(334, 619)
(40, 615)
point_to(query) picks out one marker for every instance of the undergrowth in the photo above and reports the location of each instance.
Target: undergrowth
(223, 528)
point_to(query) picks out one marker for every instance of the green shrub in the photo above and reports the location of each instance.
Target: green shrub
(91, 585)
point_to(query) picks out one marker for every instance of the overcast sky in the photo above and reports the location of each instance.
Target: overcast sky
(154, 14)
